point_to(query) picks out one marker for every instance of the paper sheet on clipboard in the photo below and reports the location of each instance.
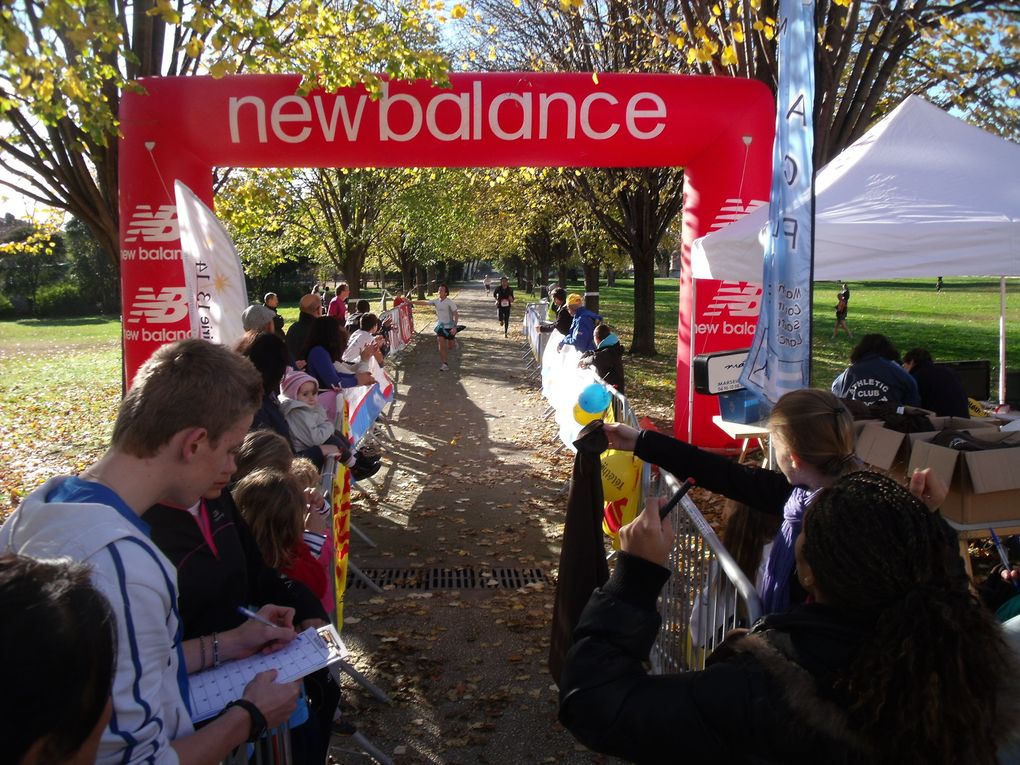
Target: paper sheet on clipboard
(213, 689)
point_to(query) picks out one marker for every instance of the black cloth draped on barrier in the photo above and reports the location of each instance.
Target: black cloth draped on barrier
(583, 566)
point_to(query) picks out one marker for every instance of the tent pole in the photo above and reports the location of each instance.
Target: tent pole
(1002, 339)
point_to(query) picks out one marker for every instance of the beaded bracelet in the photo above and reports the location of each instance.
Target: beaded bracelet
(215, 650)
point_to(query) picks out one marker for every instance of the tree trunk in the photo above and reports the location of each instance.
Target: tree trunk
(610, 277)
(406, 277)
(562, 273)
(591, 284)
(529, 275)
(422, 278)
(643, 343)
(430, 278)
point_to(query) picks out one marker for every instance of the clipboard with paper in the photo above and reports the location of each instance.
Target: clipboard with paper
(210, 691)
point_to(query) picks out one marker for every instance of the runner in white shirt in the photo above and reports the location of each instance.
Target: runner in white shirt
(446, 324)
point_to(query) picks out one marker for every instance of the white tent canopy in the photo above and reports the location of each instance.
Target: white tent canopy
(920, 194)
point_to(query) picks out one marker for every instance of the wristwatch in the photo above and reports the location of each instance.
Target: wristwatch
(258, 720)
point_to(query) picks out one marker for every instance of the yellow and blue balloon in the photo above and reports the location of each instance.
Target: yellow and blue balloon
(592, 403)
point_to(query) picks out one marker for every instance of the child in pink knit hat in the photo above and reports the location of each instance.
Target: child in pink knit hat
(310, 426)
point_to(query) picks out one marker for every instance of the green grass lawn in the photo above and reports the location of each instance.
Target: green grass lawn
(960, 324)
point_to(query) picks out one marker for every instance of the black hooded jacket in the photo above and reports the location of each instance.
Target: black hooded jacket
(767, 696)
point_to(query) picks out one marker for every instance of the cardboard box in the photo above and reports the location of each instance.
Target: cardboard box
(889, 450)
(984, 487)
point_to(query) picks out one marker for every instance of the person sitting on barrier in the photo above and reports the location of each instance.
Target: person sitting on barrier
(365, 344)
(56, 696)
(893, 661)
(310, 427)
(270, 358)
(747, 535)
(325, 346)
(875, 375)
(582, 325)
(559, 316)
(607, 357)
(813, 439)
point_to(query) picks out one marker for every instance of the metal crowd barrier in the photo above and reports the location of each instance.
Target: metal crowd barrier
(708, 594)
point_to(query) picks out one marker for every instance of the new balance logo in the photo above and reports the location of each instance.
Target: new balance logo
(734, 209)
(168, 307)
(153, 226)
(735, 299)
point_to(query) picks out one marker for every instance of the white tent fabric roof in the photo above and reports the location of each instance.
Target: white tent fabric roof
(920, 194)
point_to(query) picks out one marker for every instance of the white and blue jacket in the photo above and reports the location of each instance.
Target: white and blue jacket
(141, 585)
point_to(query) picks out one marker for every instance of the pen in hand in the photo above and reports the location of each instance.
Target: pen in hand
(675, 499)
(254, 616)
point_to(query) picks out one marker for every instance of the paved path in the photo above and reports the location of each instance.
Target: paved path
(472, 487)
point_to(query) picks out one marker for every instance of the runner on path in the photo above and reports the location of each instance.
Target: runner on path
(471, 492)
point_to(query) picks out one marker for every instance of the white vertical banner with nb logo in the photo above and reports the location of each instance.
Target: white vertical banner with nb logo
(780, 357)
(212, 271)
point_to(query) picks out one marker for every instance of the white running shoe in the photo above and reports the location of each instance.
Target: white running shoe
(443, 368)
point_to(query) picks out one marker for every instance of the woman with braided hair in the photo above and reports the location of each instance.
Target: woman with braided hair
(813, 439)
(892, 661)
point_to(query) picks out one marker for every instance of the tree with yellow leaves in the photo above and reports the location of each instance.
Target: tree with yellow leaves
(65, 64)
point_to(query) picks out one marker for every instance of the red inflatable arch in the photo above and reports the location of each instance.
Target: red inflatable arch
(718, 129)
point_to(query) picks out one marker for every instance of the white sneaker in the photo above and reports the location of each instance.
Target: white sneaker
(443, 368)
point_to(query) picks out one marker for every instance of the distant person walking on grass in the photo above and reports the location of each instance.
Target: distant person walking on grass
(487, 281)
(842, 305)
(504, 296)
(447, 316)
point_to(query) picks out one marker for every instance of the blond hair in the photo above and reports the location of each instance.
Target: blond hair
(273, 505)
(262, 448)
(305, 473)
(818, 428)
(187, 384)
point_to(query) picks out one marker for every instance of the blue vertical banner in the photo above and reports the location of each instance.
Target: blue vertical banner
(780, 356)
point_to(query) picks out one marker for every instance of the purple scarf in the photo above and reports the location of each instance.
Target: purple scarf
(775, 584)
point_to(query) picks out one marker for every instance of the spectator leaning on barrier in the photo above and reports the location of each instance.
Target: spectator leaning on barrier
(558, 313)
(176, 431)
(582, 326)
(940, 388)
(862, 674)
(875, 375)
(607, 357)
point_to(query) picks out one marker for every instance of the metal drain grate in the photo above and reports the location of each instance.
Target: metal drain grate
(460, 578)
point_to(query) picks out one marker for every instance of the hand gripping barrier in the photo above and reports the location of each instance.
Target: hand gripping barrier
(708, 595)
